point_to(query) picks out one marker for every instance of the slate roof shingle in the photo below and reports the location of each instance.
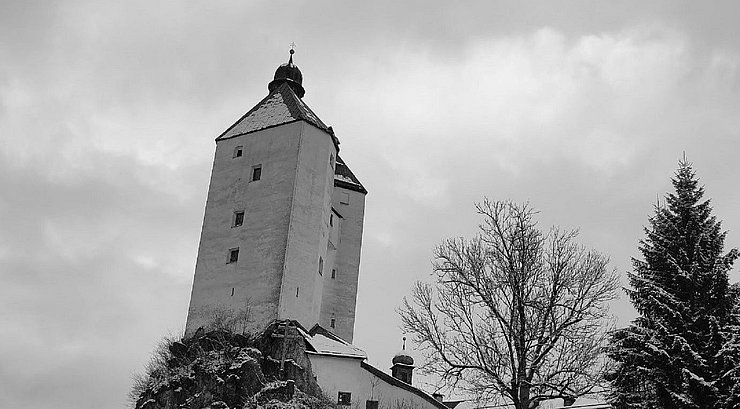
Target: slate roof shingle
(280, 106)
(343, 177)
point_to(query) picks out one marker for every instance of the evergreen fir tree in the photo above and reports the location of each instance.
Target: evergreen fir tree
(683, 350)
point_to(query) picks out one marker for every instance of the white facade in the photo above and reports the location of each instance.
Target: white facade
(341, 368)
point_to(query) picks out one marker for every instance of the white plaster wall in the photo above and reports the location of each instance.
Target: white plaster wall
(335, 374)
(257, 276)
(286, 229)
(308, 235)
(340, 294)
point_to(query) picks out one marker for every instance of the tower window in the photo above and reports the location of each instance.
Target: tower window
(331, 220)
(344, 198)
(232, 291)
(333, 273)
(256, 173)
(238, 151)
(333, 323)
(321, 266)
(233, 255)
(238, 218)
(344, 398)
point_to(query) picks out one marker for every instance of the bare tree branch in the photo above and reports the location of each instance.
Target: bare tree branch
(516, 313)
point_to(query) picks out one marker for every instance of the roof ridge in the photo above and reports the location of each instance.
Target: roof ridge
(281, 106)
(300, 109)
(403, 385)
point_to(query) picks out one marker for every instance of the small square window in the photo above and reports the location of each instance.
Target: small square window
(344, 198)
(321, 266)
(238, 151)
(371, 404)
(238, 218)
(344, 398)
(256, 173)
(333, 273)
(234, 255)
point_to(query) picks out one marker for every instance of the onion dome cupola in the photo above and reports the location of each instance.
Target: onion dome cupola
(403, 365)
(288, 73)
(403, 358)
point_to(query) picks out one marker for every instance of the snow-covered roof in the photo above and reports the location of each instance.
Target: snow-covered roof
(280, 106)
(324, 343)
(328, 346)
(343, 177)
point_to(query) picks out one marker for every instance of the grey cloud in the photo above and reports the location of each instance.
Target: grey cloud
(108, 113)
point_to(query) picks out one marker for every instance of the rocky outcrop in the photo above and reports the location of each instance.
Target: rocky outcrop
(220, 369)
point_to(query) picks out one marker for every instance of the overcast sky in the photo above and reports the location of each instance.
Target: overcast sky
(109, 110)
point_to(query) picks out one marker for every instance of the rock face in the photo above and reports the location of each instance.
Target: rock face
(220, 369)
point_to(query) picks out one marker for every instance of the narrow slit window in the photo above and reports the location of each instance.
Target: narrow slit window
(331, 220)
(232, 291)
(321, 266)
(256, 173)
(333, 273)
(296, 291)
(238, 218)
(333, 323)
(238, 151)
(234, 255)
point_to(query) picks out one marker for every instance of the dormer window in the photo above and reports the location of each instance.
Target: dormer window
(238, 151)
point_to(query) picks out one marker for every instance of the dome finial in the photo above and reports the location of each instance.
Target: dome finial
(292, 51)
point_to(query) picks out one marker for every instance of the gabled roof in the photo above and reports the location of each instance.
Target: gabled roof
(323, 342)
(343, 177)
(403, 385)
(280, 106)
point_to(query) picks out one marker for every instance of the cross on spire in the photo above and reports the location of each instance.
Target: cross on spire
(292, 48)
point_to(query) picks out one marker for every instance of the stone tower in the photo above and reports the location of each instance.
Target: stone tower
(283, 222)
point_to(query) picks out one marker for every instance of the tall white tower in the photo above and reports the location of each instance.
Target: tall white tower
(282, 229)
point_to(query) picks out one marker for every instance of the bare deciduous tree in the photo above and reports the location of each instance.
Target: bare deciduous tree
(517, 315)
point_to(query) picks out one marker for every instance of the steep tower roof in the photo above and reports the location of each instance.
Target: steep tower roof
(280, 106)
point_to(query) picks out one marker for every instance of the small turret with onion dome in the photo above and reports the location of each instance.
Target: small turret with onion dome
(403, 365)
